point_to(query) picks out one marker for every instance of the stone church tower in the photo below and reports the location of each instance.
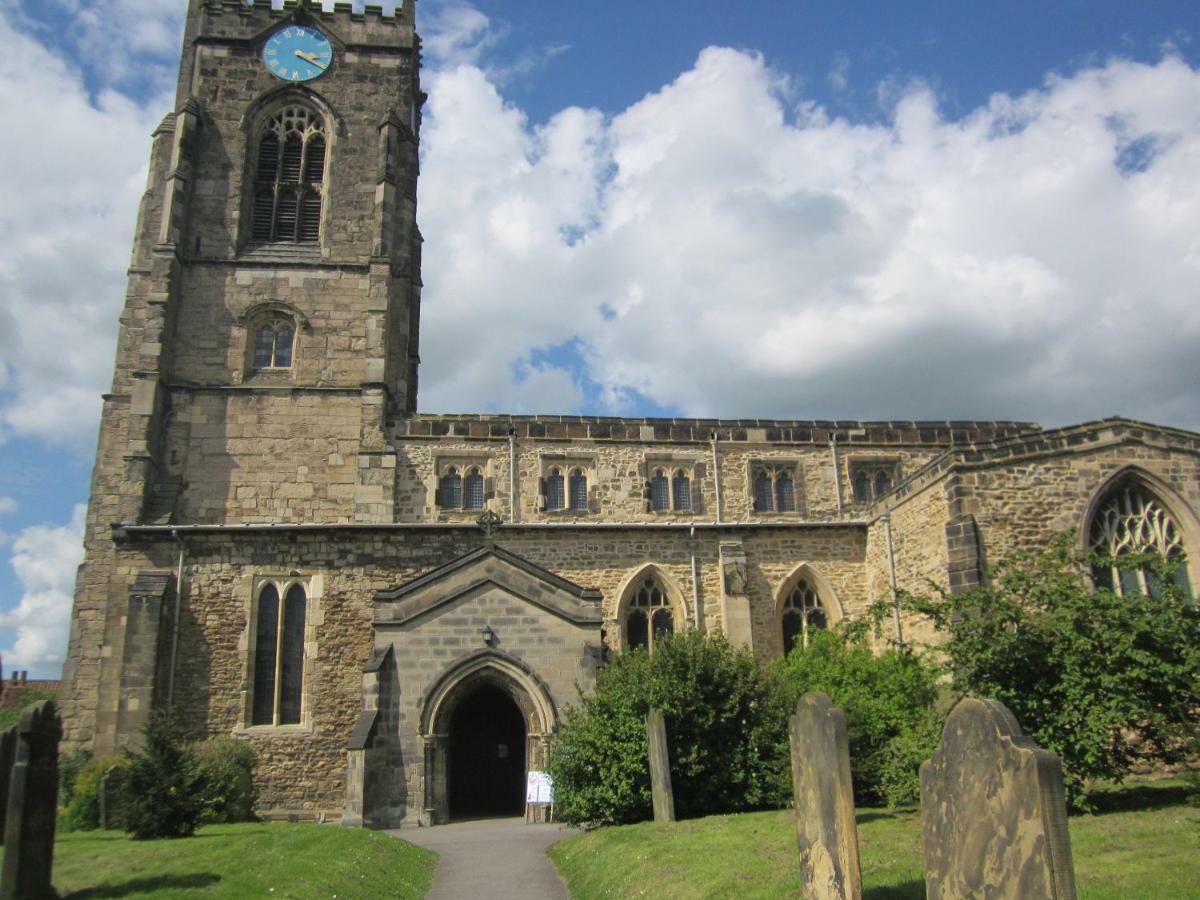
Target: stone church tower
(272, 316)
(395, 607)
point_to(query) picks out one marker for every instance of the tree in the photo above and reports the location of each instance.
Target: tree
(1100, 679)
(725, 729)
(164, 798)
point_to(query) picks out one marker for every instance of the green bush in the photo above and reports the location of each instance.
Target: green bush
(82, 809)
(725, 730)
(224, 771)
(69, 767)
(889, 703)
(164, 797)
(1100, 679)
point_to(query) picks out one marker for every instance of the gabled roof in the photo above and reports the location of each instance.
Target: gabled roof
(481, 569)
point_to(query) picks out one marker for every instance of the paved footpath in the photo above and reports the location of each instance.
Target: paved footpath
(496, 859)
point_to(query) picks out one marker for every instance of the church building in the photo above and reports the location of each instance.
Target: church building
(395, 608)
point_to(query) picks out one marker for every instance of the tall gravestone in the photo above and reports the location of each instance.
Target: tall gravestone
(660, 767)
(32, 806)
(994, 812)
(825, 826)
(8, 756)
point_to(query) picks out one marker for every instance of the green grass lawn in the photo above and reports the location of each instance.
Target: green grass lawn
(259, 860)
(1149, 851)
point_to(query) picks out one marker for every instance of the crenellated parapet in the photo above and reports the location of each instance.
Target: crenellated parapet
(374, 25)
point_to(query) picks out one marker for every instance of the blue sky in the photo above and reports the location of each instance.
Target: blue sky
(757, 209)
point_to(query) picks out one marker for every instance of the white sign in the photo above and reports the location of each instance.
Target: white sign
(539, 788)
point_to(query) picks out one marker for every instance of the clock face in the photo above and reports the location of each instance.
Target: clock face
(297, 53)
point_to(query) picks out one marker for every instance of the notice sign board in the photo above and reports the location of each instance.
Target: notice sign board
(539, 789)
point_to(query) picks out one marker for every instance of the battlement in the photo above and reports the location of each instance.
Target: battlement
(357, 24)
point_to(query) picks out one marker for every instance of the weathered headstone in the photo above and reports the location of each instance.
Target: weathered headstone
(994, 812)
(8, 756)
(825, 827)
(32, 806)
(660, 767)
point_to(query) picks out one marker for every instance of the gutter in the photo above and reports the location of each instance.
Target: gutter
(175, 620)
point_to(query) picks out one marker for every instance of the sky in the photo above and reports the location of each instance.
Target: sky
(771, 208)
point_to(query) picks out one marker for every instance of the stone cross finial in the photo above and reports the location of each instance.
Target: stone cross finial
(490, 521)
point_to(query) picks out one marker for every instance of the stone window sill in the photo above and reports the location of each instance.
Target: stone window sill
(280, 731)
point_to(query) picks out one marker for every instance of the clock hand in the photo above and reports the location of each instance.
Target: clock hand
(310, 57)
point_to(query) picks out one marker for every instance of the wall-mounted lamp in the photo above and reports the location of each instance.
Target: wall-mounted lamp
(489, 636)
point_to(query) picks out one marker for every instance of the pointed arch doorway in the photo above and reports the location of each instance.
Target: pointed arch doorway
(485, 724)
(487, 756)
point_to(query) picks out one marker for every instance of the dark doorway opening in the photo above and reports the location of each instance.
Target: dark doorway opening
(487, 755)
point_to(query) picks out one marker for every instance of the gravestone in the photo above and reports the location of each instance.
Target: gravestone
(825, 827)
(32, 806)
(8, 756)
(993, 811)
(660, 767)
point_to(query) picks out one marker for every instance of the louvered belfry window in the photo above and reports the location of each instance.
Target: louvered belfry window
(289, 178)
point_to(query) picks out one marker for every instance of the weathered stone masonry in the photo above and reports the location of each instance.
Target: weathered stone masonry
(217, 476)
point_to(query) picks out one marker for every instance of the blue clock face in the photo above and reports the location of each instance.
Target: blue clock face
(297, 53)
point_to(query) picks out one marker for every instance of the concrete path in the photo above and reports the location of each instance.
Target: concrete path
(496, 859)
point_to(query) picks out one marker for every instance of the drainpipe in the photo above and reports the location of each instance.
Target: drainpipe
(716, 475)
(891, 558)
(175, 621)
(514, 501)
(696, 582)
(837, 475)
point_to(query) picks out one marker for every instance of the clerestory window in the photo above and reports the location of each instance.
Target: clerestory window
(774, 489)
(1130, 531)
(289, 177)
(279, 655)
(670, 490)
(462, 488)
(871, 480)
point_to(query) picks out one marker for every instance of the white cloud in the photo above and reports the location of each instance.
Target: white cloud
(725, 250)
(8, 506)
(45, 558)
(71, 188)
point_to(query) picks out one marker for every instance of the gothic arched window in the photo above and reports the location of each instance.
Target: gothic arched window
(1132, 524)
(289, 177)
(764, 496)
(473, 489)
(649, 618)
(785, 493)
(450, 493)
(660, 491)
(578, 491)
(273, 343)
(802, 611)
(279, 656)
(681, 491)
(556, 490)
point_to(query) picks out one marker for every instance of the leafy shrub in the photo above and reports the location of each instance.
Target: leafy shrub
(725, 730)
(889, 704)
(82, 811)
(224, 771)
(69, 767)
(1098, 678)
(163, 800)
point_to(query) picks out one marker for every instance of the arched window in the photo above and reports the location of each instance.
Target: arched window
(871, 479)
(289, 177)
(763, 494)
(578, 498)
(473, 493)
(785, 493)
(660, 491)
(279, 657)
(802, 611)
(450, 495)
(556, 490)
(273, 343)
(883, 483)
(862, 487)
(649, 618)
(1131, 522)
(681, 489)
